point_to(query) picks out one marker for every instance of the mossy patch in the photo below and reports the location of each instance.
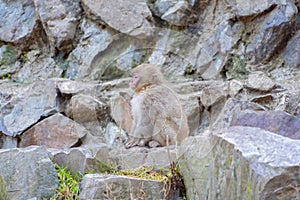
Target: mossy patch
(235, 68)
(9, 56)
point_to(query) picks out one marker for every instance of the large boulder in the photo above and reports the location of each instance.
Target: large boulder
(56, 131)
(129, 17)
(28, 173)
(28, 106)
(241, 163)
(278, 122)
(18, 21)
(60, 20)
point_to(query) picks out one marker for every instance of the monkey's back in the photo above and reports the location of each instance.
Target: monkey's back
(164, 110)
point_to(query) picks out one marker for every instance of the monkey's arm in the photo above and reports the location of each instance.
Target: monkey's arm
(141, 129)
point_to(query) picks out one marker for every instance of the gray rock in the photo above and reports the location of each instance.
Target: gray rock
(93, 158)
(259, 81)
(278, 122)
(97, 186)
(212, 55)
(129, 17)
(241, 163)
(115, 136)
(231, 108)
(178, 15)
(18, 20)
(7, 142)
(38, 67)
(162, 6)
(92, 44)
(272, 34)
(28, 106)
(60, 20)
(291, 54)
(136, 157)
(28, 173)
(248, 8)
(56, 131)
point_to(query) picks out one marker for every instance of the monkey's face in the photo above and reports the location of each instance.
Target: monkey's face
(134, 81)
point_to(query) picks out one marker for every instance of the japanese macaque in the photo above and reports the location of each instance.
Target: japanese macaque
(158, 117)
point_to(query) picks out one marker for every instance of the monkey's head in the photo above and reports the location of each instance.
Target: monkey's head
(145, 75)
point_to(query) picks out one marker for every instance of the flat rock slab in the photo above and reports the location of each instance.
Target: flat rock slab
(241, 163)
(28, 173)
(278, 122)
(97, 186)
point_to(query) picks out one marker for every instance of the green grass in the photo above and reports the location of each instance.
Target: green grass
(68, 184)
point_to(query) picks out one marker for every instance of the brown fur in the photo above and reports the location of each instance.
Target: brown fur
(158, 117)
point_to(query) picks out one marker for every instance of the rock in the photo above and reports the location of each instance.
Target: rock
(28, 106)
(272, 34)
(60, 20)
(89, 112)
(56, 131)
(162, 6)
(213, 94)
(192, 108)
(254, 163)
(93, 158)
(259, 81)
(136, 157)
(7, 142)
(242, 9)
(86, 61)
(18, 21)
(278, 122)
(232, 108)
(121, 113)
(211, 56)
(27, 173)
(179, 14)
(98, 186)
(127, 17)
(115, 136)
(41, 67)
(291, 54)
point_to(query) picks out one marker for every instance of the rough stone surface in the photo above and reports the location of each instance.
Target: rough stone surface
(97, 186)
(259, 81)
(292, 53)
(7, 142)
(17, 20)
(36, 101)
(28, 173)
(60, 20)
(273, 32)
(93, 158)
(248, 8)
(254, 163)
(127, 17)
(278, 122)
(178, 14)
(115, 136)
(56, 131)
(89, 112)
(137, 156)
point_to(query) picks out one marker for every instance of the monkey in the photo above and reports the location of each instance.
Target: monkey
(158, 116)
